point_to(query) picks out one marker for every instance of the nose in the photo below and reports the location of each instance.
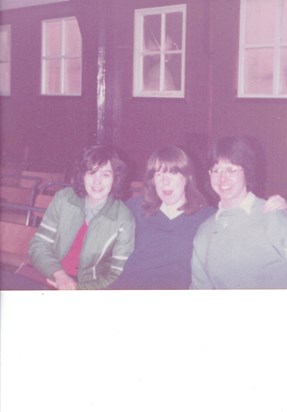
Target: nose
(223, 176)
(165, 179)
(97, 178)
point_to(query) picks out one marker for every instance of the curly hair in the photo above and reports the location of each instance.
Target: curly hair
(98, 156)
(240, 151)
(175, 160)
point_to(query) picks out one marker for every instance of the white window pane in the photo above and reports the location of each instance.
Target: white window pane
(283, 71)
(72, 76)
(173, 31)
(158, 51)
(53, 77)
(5, 78)
(53, 39)
(283, 19)
(260, 21)
(151, 73)
(4, 45)
(259, 71)
(152, 33)
(73, 40)
(172, 75)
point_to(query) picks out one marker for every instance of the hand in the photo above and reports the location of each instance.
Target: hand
(275, 202)
(62, 281)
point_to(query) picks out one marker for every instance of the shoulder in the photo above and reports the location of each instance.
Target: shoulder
(135, 204)
(119, 210)
(258, 204)
(272, 216)
(204, 213)
(67, 195)
(207, 225)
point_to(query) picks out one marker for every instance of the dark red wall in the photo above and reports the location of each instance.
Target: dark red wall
(55, 128)
(265, 119)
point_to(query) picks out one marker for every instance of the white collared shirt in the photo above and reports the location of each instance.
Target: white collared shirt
(245, 205)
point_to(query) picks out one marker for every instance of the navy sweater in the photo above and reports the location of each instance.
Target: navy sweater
(163, 248)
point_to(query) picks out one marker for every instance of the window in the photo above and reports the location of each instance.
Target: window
(159, 51)
(263, 49)
(5, 60)
(61, 57)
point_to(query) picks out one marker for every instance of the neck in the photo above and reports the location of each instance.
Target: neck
(230, 203)
(171, 211)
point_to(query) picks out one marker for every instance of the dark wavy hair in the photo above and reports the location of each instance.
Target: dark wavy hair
(175, 160)
(241, 151)
(98, 156)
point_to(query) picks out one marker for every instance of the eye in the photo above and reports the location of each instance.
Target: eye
(233, 170)
(107, 174)
(215, 171)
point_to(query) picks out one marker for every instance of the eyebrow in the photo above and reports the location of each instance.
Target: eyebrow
(96, 169)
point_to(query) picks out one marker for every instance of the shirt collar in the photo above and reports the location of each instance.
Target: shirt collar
(90, 212)
(245, 205)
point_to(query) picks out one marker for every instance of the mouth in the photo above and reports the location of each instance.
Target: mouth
(167, 192)
(97, 189)
(224, 188)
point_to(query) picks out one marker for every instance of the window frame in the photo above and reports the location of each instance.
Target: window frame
(8, 29)
(139, 53)
(276, 45)
(62, 58)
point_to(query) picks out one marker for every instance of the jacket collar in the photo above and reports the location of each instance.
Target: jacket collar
(108, 210)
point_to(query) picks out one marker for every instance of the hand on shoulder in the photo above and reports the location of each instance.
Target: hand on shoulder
(275, 202)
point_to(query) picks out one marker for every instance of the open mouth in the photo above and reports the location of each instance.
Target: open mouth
(97, 189)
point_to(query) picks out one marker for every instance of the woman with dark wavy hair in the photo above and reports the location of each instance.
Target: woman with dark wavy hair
(87, 233)
(240, 246)
(167, 218)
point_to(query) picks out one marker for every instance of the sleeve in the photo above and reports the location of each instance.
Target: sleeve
(277, 232)
(123, 245)
(199, 276)
(41, 249)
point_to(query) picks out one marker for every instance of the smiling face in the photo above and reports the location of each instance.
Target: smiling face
(98, 183)
(170, 187)
(228, 181)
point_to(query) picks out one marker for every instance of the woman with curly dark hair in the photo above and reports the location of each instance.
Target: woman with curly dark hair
(87, 233)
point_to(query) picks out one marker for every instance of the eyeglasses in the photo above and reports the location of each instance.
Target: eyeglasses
(229, 170)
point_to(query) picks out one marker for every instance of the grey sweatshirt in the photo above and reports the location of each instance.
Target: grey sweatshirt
(241, 248)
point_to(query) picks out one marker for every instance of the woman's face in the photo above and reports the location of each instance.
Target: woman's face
(98, 183)
(170, 188)
(228, 181)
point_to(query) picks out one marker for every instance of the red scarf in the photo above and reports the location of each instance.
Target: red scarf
(71, 261)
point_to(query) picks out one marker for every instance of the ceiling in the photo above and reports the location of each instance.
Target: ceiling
(15, 4)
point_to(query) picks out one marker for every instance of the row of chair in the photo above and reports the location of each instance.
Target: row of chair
(24, 201)
(20, 193)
